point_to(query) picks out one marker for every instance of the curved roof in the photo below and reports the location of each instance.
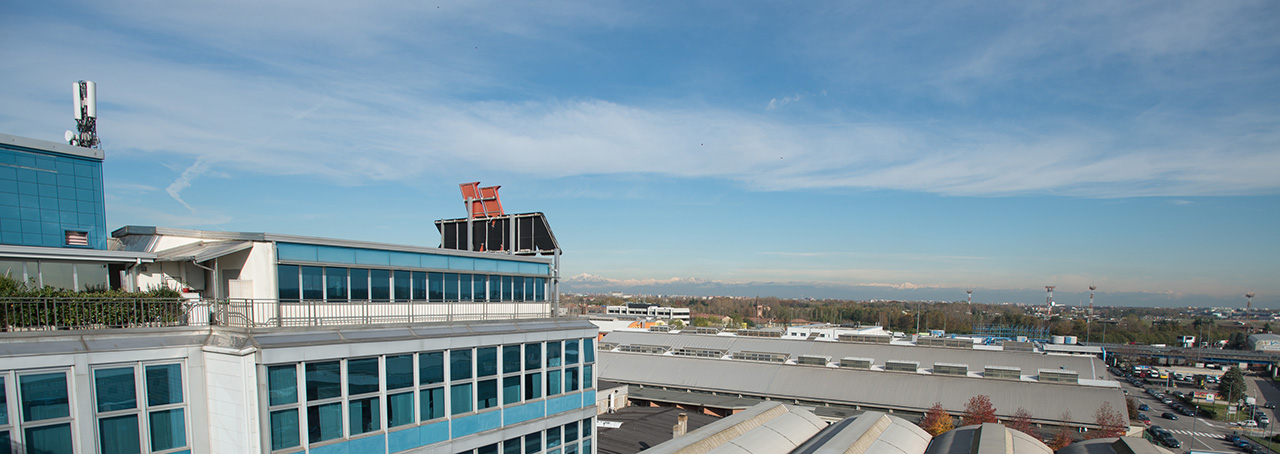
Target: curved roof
(1124, 445)
(988, 438)
(872, 432)
(769, 427)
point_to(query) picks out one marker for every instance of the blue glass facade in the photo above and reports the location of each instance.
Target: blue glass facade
(44, 194)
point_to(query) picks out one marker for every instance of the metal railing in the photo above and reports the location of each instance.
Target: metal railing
(42, 314)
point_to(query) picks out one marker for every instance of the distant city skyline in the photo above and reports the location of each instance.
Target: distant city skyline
(814, 149)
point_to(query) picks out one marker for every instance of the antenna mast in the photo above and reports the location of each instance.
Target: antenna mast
(85, 94)
(1048, 301)
(1249, 304)
(970, 292)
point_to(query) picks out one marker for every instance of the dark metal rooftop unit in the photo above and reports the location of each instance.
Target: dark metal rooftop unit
(488, 229)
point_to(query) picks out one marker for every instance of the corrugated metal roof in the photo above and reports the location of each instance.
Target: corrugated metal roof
(991, 439)
(201, 251)
(877, 389)
(768, 427)
(870, 433)
(1088, 367)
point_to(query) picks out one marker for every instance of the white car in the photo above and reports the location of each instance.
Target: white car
(1246, 423)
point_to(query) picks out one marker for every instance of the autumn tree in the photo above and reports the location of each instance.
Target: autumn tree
(979, 410)
(937, 421)
(1132, 405)
(1110, 423)
(1022, 422)
(1062, 437)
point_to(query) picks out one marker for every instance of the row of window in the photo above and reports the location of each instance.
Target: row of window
(561, 439)
(337, 284)
(137, 408)
(59, 274)
(345, 398)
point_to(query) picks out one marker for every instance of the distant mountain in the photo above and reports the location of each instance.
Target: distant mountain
(691, 286)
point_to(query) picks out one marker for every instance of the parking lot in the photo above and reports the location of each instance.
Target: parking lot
(1166, 411)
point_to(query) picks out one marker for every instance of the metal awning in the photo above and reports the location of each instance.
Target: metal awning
(202, 251)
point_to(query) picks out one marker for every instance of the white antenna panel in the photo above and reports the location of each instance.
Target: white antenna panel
(75, 94)
(91, 98)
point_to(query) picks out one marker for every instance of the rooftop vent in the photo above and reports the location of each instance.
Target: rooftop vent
(813, 360)
(762, 356)
(951, 369)
(865, 338)
(1059, 376)
(855, 363)
(1002, 372)
(902, 366)
(75, 238)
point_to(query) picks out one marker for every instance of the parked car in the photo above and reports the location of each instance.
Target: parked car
(1269, 405)
(1144, 407)
(1168, 415)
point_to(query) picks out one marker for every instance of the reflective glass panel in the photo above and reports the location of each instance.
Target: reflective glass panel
(510, 358)
(432, 404)
(589, 350)
(553, 353)
(586, 377)
(553, 437)
(506, 288)
(486, 394)
(282, 385)
(380, 285)
(553, 382)
(419, 286)
(586, 427)
(55, 439)
(114, 389)
(287, 279)
(511, 389)
(324, 381)
(168, 429)
(511, 446)
(164, 384)
(119, 435)
(335, 284)
(571, 431)
(539, 289)
(362, 376)
(450, 287)
(402, 285)
(571, 379)
(533, 442)
(399, 372)
(430, 368)
(478, 284)
(460, 398)
(324, 422)
(284, 429)
(4, 406)
(363, 415)
(489, 449)
(532, 356)
(400, 409)
(464, 287)
(571, 351)
(312, 283)
(495, 288)
(532, 385)
(486, 361)
(459, 364)
(517, 284)
(44, 396)
(359, 284)
(435, 286)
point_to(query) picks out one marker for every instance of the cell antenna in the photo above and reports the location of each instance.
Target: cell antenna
(85, 95)
(1249, 301)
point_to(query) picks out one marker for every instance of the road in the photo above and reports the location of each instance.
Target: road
(1201, 433)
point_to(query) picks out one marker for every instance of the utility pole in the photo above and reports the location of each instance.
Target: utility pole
(1088, 318)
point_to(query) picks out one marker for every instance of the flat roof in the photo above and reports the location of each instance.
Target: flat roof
(56, 147)
(642, 428)
(79, 254)
(311, 240)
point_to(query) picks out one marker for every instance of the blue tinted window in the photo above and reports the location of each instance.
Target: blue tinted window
(432, 403)
(324, 381)
(495, 288)
(450, 287)
(372, 257)
(533, 442)
(459, 364)
(400, 409)
(4, 406)
(282, 385)
(586, 377)
(380, 285)
(324, 422)
(532, 356)
(586, 427)
(464, 287)
(589, 350)
(115, 389)
(334, 254)
(435, 286)
(478, 284)
(553, 353)
(419, 286)
(299, 252)
(511, 358)
(362, 376)
(363, 414)
(553, 437)
(55, 439)
(402, 285)
(511, 446)
(164, 384)
(486, 394)
(399, 371)
(511, 389)
(460, 399)
(119, 435)
(521, 288)
(335, 284)
(571, 351)
(168, 429)
(312, 283)
(553, 382)
(539, 289)
(486, 361)
(570, 379)
(284, 429)
(506, 288)
(430, 368)
(532, 386)
(571, 431)
(287, 276)
(406, 259)
(359, 284)
(44, 396)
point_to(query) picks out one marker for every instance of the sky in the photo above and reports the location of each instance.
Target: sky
(865, 147)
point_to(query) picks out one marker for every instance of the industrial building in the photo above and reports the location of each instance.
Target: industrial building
(280, 343)
(1264, 342)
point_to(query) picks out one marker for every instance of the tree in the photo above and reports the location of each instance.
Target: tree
(676, 324)
(1110, 423)
(937, 421)
(1232, 386)
(1022, 422)
(1062, 437)
(979, 410)
(1132, 405)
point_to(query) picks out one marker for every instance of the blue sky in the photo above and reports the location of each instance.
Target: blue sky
(939, 145)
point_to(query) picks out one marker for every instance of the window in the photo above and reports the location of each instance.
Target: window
(539, 289)
(511, 389)
(450, 287)
(506, 288)
(460, 398)
(511, 446)
(282, 399)
(532, 386)
(335, 284)
(495, 288)
(571, 432)
(553, 382)
(486, 361)
(430, 368)
(402, 285)
(362, 391)
(486, 394)
(464, 287)
(533, 442)
(532, 356)
(46, 416)
(571, 351)
(432, 403)
(359, 284)
(479, 283)
(586, 377)
(287, 277)
(123, 418)
(419, 286)
(459, 364)
(324, 401)
(435, 286)
(570, 379)
(553, 354)
(510, 358)
(312, 283)
(380, 285)
(589, 350)
(518, 288)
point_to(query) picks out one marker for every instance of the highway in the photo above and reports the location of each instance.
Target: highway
(1201, 433)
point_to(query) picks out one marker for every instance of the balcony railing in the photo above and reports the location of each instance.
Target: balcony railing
(37, 314)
